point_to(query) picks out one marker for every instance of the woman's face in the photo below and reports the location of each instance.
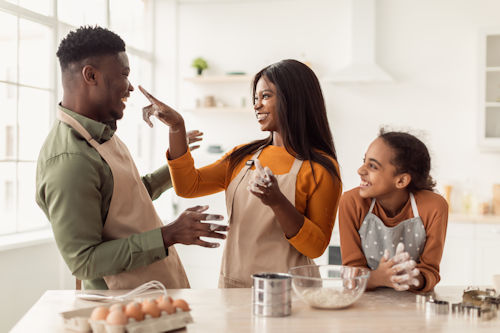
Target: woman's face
(378, 174)
(265, 101)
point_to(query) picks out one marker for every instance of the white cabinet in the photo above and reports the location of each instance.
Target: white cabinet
(489, 91)
(471, 254)
(457, 264)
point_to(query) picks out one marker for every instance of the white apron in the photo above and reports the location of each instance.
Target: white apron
(131, 211)
(256, 242)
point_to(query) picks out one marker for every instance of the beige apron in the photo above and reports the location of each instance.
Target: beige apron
(131, 211)
(256, 242)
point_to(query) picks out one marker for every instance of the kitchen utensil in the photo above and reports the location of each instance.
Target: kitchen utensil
(151, 287)
(329, 286)
(272, 294)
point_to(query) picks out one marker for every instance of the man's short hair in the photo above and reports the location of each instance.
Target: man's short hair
(88, 41)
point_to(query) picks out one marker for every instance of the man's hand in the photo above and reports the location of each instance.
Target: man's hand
(188, 228)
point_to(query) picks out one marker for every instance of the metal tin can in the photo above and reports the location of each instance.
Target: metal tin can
(272, 294)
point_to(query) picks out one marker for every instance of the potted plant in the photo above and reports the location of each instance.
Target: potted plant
(200, 64)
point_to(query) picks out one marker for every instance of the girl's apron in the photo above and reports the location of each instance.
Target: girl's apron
(377, 237)
(256, 242)
(131, 211)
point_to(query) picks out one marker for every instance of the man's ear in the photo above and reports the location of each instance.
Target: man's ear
(90, 74)
(403, 180)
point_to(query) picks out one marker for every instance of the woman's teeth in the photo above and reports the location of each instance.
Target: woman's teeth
(262, 116)
(364, 184)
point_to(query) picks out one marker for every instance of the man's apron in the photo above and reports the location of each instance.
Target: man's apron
(131, 211)
(256, 242)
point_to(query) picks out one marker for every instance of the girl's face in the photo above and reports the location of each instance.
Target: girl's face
(378, 175)
(265, 101)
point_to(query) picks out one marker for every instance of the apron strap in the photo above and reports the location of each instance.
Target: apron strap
(237, 180)
(413, 205)
(294, 170)
(67, 119)
(371, 206)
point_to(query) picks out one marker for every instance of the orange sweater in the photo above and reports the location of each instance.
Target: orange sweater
(433, 211)
(318, 202)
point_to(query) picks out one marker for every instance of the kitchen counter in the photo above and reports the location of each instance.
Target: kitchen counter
(230, 310)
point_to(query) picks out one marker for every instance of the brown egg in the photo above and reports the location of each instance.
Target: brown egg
(99, 313)
(150, 307)
(117, 317)
(134, 310)
(165, 304)
(114, 307)
(181, 304)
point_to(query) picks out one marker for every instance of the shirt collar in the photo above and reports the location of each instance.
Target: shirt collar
(100, 132)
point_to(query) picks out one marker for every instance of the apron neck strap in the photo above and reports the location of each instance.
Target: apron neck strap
(251, 161)
(371, 206)
(67, 119)
(413, 205)
(295, 166)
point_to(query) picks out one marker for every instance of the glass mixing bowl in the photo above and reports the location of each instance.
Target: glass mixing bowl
(329, 286)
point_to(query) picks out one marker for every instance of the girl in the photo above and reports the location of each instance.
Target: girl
(285, 217)
(394, 203)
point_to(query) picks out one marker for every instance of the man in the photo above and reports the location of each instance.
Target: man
(100, 209)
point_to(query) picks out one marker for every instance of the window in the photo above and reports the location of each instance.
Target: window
(30, 31)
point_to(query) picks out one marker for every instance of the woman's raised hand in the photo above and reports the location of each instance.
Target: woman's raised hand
(162, 111)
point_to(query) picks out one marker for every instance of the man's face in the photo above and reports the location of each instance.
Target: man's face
(113, 86)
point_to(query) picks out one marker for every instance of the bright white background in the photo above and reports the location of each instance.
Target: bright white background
(430, 47)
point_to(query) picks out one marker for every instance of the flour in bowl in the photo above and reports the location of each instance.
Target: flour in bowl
(327, 298)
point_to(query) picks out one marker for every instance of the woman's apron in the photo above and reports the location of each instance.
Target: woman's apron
(256, 242)
(376, 237)
(131, 211)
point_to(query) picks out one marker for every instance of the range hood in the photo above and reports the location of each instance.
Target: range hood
(363, 68)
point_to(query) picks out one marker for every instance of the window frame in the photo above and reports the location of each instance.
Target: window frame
(52, 22)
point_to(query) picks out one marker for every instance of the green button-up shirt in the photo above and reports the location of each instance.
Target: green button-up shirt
(74, 186)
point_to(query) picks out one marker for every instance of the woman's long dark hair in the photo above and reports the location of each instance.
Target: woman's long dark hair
(301, 116)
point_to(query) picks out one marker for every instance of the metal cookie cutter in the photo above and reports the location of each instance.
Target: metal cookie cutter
(421, 299)
(478, 304)
(434, 306)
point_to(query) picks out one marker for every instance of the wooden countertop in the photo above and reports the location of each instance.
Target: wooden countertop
(230, 310)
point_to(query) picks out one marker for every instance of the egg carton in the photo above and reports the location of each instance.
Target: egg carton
(79, 321)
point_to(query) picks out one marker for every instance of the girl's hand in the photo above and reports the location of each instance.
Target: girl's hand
(165, 113)
(391, 272)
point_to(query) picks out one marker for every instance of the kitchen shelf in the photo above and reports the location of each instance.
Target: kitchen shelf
(219, 109)
(219, 78)
(493, 69)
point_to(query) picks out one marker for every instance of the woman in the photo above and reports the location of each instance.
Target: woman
(285, 218)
